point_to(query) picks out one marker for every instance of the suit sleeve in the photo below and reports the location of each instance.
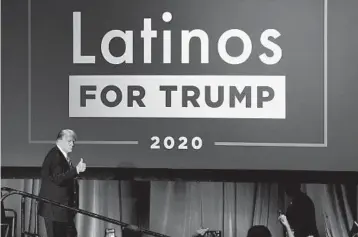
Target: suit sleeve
(55, 171)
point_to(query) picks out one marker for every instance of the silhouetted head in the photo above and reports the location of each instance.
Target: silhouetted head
(259, 231)
(292, 189)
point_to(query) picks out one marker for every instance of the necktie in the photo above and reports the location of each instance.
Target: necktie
(69, 161)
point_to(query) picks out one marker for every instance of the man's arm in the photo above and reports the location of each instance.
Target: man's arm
(284, 221)
(58, 177)
(54, 170)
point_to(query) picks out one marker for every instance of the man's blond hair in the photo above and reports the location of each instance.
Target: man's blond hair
(67, 132)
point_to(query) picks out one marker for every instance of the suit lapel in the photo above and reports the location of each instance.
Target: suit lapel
(66, 164)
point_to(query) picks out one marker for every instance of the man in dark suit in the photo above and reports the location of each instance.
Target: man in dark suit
(60, 185)
(300, 215)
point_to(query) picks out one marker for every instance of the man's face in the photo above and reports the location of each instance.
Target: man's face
(67, 143)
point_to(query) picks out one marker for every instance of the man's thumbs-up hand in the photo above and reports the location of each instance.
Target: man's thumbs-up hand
(81, 167)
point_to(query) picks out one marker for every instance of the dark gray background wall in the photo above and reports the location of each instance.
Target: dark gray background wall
(300, 23)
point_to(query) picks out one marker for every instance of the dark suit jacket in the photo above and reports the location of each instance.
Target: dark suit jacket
(58, 184)
(301, 216)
